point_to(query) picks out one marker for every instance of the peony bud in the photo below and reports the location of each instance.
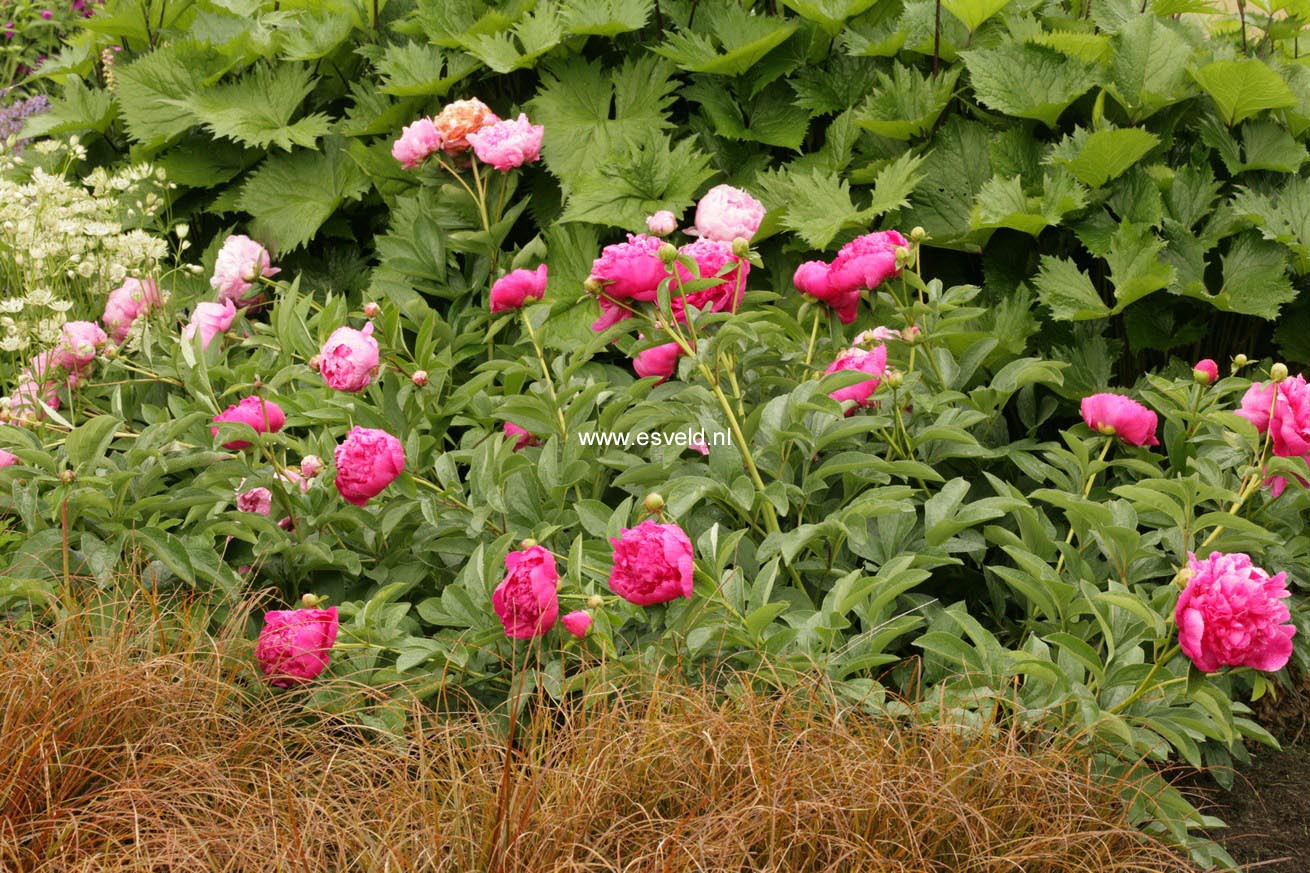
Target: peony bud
(662, 223)
(595, 601)
(1205, 372)
(68, 477)
(741, 247)
(311, 466)
(528, 543)
(315, 361)
(911, 335)
(668, 253)
(594, 286)
(110, 353)
(918, 234)
(894, 378)
(371, 309)
(654, 503)
(311, 601)
(1278, 372)
(420, 378)
(1240, 361)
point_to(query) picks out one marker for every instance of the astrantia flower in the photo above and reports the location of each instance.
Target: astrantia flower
(514, 289)
(1232, 614)
(508, 144)
(349, 358)
(457, 120)
(264, 416)
(1116, 415)
(417, 143)
(240, 263)
(725, 213)
(872, 362)
(367, 461)
(653, 563)
(296, 644)
(525, 601)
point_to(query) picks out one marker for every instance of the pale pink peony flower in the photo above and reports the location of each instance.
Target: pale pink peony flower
(209, 320)
(1116, 415)
(417, 143)
(652, 564)
(725, 213)
(698, 445)
(508, 144)
(513, 290)
(311, 466)
(525, 601)
(1283, 409)
(878, 334)
(457, 120)
(662, 223)
(661, 360)
(77, 346)
(872, 362)
(258, 500)
(240, 263)
(577, 623)
(133, 299)
(264, 416)
(8, 459)
(710, 257)
(1231, 614)
(368, 460)
(296, 644)
(629, 270)
(522, 438)
(349, 358)
(1206, 370)
(30, 393)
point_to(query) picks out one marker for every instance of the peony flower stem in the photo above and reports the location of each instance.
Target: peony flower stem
(545, 371)
(814, 337)
(1087, 489)
(1145, 685)
(455, 502)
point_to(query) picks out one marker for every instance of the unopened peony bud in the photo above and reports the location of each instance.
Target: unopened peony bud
(1278, 372)
(894, 378)
(593, 285)
(911, 335)
(918, 234)
(668, 253)
(371, 309)
(1240, 361)
(1205, 372)
(654, 503)
(314, 362)
(68, 477)
(311, 601)
(110, 353)
(595, 601)
(311, 466)
(528, 543)
(741, 247)
(420, 378)
(662, 223)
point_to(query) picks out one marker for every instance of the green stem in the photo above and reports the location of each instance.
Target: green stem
(456, 502)
(545, 371)
(1087, 489)
(1145, 685)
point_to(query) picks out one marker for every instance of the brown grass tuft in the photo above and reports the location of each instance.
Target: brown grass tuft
(133, 745)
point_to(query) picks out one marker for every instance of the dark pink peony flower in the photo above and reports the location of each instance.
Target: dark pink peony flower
(1257, 403)
(8, 459)
(526, 601)
(872, 362)
(1231, 614)
(264, 416)
(295, 645)
(630, 270)
(258, 500)
(652, 564)
(508, 144)
(349, 358)
(522, 438)
(367, 460)
(1117, 415)
(577, 623)
(710, 257)
(133, 299)
(417, 142)
(514, 289)
(661, 360)
(864, 262)
(814, 278)
(725, 213)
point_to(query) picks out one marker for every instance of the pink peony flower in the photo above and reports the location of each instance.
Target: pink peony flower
(725, 213)
(661, 360)
(264, 416)
(513, 290)
(1206, 370)
(457, 120)
(78, 342)
(814, 278)
(662, 223)
(209, 320)
(1231, 614)
(652, 564)
(349, 358)
(417, 143)
(872, 362)
(508, 144)
(296, 644)
(1257, 403)
(8, 459)
(522, 437)
(526, 601)
(133, 299)
(311, 466)
(710, 257)
(698, 445)
(240, 263)
(879, 334)
(577, 623)
(867, 261)
(1116, 415)
(30, 393)
(1290, 422)
(629, 270)
(258, 500)
(368, 460)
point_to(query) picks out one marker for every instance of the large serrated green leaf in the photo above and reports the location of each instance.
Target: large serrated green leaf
(1107, 154)
(1027, 80)
(290, 196)
(1241, 88)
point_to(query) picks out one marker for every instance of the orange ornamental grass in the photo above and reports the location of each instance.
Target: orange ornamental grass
(136, 743)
